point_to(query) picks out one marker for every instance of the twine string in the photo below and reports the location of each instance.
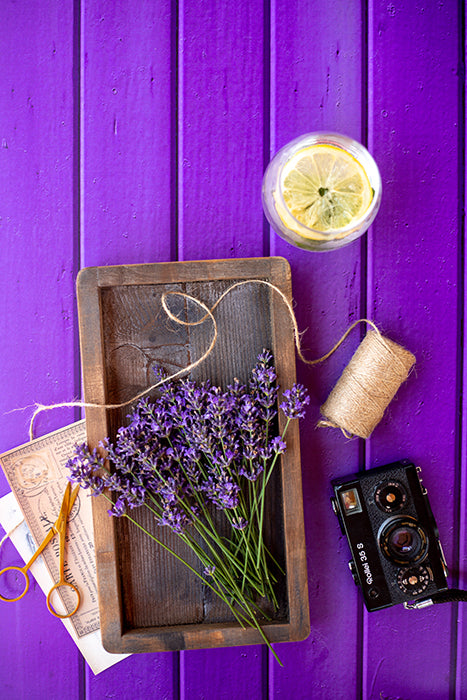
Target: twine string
(391, 348)
(87, 404)
(40, 408)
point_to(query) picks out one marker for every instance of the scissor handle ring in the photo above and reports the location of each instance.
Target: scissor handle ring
(26, 582)
(60, 584)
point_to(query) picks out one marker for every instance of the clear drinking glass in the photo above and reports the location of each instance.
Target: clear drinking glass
(321, 191)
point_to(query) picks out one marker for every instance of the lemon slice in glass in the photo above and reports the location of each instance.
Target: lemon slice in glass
(325, 189)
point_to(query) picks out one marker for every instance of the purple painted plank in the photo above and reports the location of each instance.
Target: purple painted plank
(220, 214)
(461, 675)
(127, 198)
(38, 359)
(220, 129)
(413, 265)
(461, 647)
(127, 140)
(139, 677)
(316, 85)
(226, 674)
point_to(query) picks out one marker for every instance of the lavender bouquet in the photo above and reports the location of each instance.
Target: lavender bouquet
(195, 452)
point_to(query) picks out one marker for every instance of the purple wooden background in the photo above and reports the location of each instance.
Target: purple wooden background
(138, 132)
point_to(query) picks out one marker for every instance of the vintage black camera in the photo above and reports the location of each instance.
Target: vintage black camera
(392, 534)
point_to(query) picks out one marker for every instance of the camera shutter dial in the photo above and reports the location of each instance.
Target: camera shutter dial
(414, 580)
(390, 496)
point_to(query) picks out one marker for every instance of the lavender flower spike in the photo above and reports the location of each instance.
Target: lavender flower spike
(294, 401)
(239, 523)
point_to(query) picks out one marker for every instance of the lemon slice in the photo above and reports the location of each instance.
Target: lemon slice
(325, 188)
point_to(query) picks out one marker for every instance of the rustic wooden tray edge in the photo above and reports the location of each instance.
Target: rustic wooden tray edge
(115, 639)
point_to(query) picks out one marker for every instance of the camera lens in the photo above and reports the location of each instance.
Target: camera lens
(390, 496)
(403, 540)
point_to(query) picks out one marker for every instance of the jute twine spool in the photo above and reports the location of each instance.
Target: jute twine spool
(367, 385)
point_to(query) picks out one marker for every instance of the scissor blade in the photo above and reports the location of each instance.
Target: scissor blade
(72, 498)
(65, 510)
(60, 523)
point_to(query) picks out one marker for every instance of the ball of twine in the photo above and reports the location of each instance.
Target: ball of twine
(367, 385)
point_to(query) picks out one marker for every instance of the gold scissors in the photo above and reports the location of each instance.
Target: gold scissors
(58, 528)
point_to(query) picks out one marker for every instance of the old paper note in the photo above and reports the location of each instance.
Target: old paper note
(37, 476)
(90, 646)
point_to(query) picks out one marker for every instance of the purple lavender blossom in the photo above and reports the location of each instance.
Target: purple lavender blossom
(195, 443)
(118, 508)
(263, 386)
(175, 518)
(275, 446)
(236, 389)
(194, 450)
(84, 467)
(248, 415)
(222, 491)
(251, 469)
(113, 482)
(239, 523)
(294, 401)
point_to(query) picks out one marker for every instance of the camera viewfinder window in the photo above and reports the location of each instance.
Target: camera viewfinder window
(350, 501)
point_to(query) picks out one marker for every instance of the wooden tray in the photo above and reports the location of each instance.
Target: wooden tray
(148, 600)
